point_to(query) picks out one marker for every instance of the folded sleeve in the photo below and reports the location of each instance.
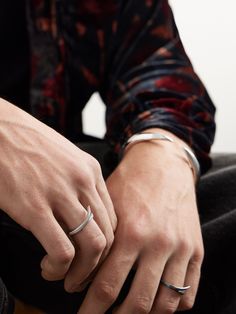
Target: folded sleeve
(150, 82)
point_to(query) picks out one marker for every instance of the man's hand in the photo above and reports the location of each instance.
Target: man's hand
(158, 233)
(46, 182)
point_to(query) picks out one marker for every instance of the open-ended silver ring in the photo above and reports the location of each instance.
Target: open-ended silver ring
(180, 290)
(88, 218)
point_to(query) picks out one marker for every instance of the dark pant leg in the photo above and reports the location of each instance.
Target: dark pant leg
(6, 300)
(217, 208)
(20, 270)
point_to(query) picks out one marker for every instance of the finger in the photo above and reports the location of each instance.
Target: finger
(89, 245)
(100, 216)
(105, 197)
(60, 251)
(167, 300)
(109, 280)
(192, 279)
(144, 286)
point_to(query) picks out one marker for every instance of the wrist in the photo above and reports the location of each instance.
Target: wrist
(166, 143)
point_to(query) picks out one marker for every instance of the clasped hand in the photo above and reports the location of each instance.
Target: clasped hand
(46, 182)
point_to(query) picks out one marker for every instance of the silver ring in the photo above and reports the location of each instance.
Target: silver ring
(180, 290)
(88, 218)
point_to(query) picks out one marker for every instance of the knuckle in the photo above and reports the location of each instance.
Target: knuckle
(185, 246)
(41, 213)
(168, 305)
(66, 255)
(109, 242)
(187, 303)
(98, 243)
(136, 233)
(94, 164)
(83, 179)
(85, 176)
(142, 305)
(106, 292)
(198, 255)
(171, 306)
(165, 240)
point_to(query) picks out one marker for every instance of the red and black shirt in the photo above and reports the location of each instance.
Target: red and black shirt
(131, 53)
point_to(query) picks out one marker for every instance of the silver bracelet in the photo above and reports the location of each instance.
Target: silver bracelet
(140, 137)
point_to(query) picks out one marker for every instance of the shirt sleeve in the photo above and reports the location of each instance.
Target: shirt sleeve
(150, 81)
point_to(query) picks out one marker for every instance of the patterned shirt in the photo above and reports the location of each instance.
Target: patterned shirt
(131, 53)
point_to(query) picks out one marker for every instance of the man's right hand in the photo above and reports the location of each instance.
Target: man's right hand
(46, 183)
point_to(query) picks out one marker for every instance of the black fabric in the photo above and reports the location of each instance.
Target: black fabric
(20, 270)
(14, 53)
(6, 300)
(217, 205)
(21, 253)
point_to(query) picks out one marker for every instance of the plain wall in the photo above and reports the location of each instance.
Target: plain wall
(208, 31)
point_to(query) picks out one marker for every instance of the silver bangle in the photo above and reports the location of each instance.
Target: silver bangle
(140, 137)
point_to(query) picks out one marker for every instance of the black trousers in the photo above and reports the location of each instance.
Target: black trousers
(216, 195)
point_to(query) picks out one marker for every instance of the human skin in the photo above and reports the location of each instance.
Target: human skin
(46, 183)
(158, 232)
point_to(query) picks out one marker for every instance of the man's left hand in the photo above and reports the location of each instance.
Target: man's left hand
(158, 234)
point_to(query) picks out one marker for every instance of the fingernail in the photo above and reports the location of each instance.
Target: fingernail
(71, 289)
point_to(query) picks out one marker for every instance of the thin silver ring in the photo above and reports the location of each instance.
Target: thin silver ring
(88, 218)
(180, 290)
